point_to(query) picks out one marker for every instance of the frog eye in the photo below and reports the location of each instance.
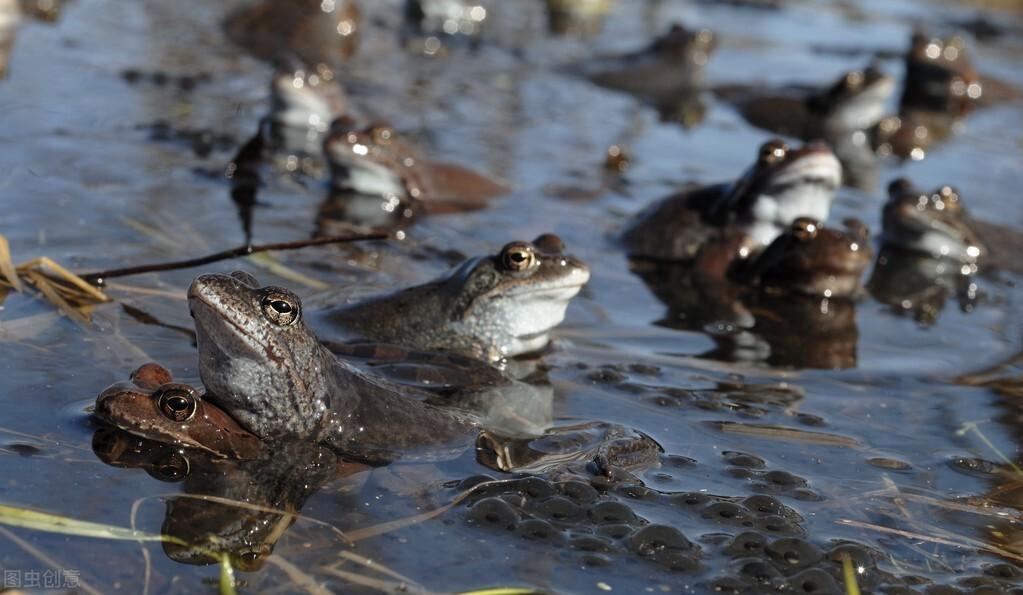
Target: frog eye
(773, 151)
(281, 307)
(805, 228)
(517, 256)
(176, 401)
(382, 134)
(852, 80)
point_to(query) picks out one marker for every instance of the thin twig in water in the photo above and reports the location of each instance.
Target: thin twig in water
(99, 277)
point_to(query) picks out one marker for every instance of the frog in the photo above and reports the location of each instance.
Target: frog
(316, 33)
(154, 406)
(489, 307)
(666, 74)
(941, 87)
(670, 65)
(374, 160)
(855, 102)
(265, 368)
(784, 183)
(935, 223)
(768, 308)
(260, 363)
(812, 259)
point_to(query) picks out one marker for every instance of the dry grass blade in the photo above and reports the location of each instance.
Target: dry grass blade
(388, 526)
(504, 591)
(963, 542)
(268, 262)
(43, 284)
(373, 565)
(7, 265)
(47, 560)
(45, 263)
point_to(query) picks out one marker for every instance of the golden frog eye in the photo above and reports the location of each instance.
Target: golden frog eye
(805, 228)
(773, 151)
(281, 307)
(382, 134)
(176, 401)
(517, 256)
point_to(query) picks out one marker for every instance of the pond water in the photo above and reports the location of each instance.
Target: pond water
(889, 459)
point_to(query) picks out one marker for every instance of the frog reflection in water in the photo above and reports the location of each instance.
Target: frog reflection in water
(238, 507)
(666, 74)
(490, 307)
(789, 305)
(375, 161)
(782, 185)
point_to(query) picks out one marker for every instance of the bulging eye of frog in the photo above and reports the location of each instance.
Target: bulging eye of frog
(517, 257)
(772, 151)
(281, 308)
(805, 229)
(176, 401)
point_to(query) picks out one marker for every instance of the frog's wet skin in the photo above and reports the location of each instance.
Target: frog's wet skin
(782, 185)
(857, 101)
(490, 307)
(262, 365)
(311, 31)
(375, 161)
(156, 407)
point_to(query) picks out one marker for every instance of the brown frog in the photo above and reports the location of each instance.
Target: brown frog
(666, 74)
(154, 406)
(813, 260)
(783, 184)
(376, 161)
